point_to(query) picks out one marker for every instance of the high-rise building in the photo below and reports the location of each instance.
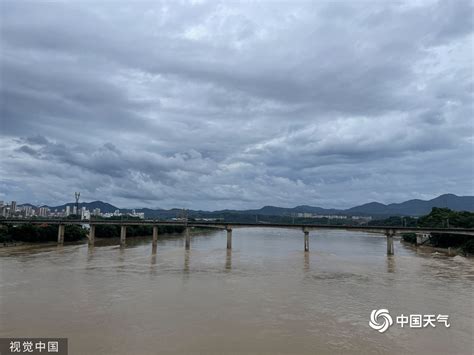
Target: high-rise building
(13, 208)
(86, 214)
(74, 210)
(27, 211)
(68, 210)
(43, 211)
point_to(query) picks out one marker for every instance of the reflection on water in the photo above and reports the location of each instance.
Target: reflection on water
(390, 263)
(306, 261)
(228, 260)
(266, 295)
(186, 261)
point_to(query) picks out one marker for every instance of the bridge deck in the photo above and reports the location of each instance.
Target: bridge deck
(232, 225)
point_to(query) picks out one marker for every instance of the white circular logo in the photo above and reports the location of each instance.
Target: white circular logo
(380, 320)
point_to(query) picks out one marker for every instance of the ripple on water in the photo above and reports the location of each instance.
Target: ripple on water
(265, 296)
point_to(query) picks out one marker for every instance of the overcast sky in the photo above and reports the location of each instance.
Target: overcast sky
(211, 105)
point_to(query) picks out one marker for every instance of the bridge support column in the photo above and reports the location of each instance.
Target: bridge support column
(61, 234)
(123, 235)
(306, 239)
(229, 238)
(155, 235)
(187, 242)
(92, 234)
(390, 249)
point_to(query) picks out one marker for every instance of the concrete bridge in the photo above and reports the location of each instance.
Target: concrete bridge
(388, 231)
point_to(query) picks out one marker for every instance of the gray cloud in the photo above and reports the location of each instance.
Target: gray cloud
(225, 105)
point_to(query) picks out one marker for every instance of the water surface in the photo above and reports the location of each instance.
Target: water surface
(266, 296)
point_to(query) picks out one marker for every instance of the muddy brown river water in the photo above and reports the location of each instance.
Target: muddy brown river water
(266, 296)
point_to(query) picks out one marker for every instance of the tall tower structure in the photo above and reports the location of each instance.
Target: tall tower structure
(77, 195)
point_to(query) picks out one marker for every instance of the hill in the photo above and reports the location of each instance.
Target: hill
(414, 207)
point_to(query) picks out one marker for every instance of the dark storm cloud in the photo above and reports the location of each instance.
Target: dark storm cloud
(222, 105)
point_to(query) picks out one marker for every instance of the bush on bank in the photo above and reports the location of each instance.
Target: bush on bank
(409, 238)
(113, 231)
(442, 218)
(32, 233)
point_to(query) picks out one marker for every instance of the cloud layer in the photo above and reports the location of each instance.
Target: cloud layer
(224, 105)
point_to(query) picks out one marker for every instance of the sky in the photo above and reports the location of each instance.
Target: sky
(213, 105)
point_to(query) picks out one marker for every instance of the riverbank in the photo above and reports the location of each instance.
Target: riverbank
(107, 240)
(449, 251)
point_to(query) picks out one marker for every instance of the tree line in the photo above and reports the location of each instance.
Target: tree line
(32, 233)
(443, 218)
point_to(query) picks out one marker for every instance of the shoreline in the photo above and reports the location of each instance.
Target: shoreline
(449, 251)
(100, 240)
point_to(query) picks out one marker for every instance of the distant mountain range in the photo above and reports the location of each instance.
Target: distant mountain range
(375, 209)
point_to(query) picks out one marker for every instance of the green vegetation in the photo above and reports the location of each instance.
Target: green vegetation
(395, 221)
(32, 233)
(234, 217)
(409, 238)
(113, 231)
(438, 217)
(443, 218)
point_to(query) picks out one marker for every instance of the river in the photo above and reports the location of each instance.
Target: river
(266, 296)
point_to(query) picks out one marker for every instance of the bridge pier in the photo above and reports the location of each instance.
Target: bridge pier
(61, 234)
(390, 249)
(306, 239)
(92, 234)
(155, 235)
(187, 242)
(229, 238)
(123, 235)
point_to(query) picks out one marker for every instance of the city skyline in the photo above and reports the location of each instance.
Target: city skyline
(105, 209)
(210, 105)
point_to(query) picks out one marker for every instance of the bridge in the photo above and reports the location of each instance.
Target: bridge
(388, 231)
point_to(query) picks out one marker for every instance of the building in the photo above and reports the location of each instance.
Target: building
(85, 214)
(13, 208)
(43, 212)
(27, 211)
(68, 210)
